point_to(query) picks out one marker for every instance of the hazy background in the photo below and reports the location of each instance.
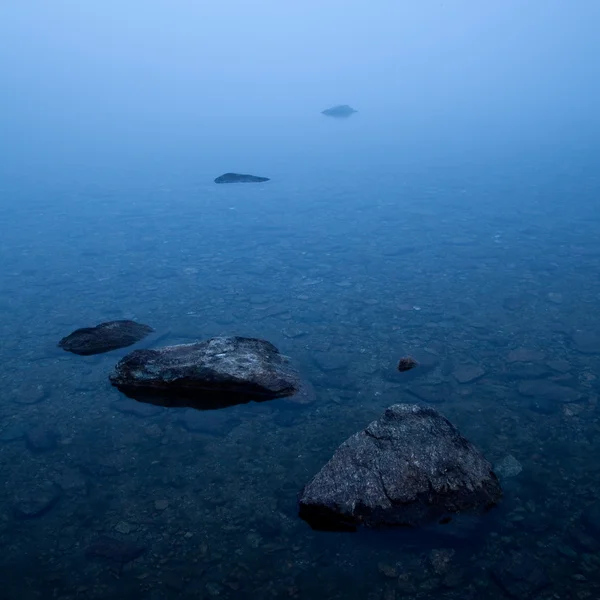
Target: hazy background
(118, 83)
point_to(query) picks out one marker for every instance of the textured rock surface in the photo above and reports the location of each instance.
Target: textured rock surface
(218, 372)
(240, 178)
(104, 337)
(407, 468)
(340, 111)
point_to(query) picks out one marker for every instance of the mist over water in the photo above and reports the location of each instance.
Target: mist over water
(453, 218)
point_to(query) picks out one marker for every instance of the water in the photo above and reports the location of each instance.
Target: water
(351, 257)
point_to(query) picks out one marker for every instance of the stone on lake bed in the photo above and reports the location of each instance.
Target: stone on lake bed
(105, 337)
(222, 371)
(408, 468)
(240, 178)
(543, 389)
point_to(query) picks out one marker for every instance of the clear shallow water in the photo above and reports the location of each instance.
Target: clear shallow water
(345, 268)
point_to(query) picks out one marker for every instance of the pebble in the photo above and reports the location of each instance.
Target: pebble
(123, 527)
(509, 466)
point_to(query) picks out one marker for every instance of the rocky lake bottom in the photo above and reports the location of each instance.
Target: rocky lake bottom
(104, 496)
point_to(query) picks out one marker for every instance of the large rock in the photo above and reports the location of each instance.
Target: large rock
(240, 178)
(218, 372)
(339, 111)
(104, 337)
(409, 467)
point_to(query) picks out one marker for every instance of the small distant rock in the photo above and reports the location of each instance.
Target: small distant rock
(407, 468)
(555, 297)
(468, 373)
(440, 560)
(509, 466)
(13, 432)
(542, 389)
(587, 342)
(36, 499)
(105, 337)
(406, 363)
(123, 527)
(340, 111)
(161, 504)
(29, 394)
(562, 366)
(240, 178)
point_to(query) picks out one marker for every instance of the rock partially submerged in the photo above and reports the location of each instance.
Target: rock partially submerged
(105, 337)
(408, 468)
(339, 111)
(219, 372)
(240, 178)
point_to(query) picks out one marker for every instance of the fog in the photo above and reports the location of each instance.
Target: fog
(77, 75)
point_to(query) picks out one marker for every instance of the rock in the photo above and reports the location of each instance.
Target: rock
(115, 550)
(514, 303)
(406, 363)
(219, 372)
(71, 480)
(468, 373)
(105, 337)
(40, 439)
(440, 560)
(340, 111)
(29, 394)
(123, 527)
(409, 467)
(521, 576)
(545, 390)
(519, 370)
(525, 355)
(161, 504)
(13, 432)
(433, 394)
(240, 178)
(509, 466)
(587, 342)
(562, 366)
(36, 499)
(138, 409)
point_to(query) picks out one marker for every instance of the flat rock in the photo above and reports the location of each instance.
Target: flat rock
(519, 370)
(587, 342)
(105, 337)
(509, 466)
(217, 423)
(543, 389)
(240, 178)
(340, 111)
(219, 372)
(29, 394)
(521, 576)
(409, 467)
(36, 499)
(468, 373)
(525, 355)
(128, 406)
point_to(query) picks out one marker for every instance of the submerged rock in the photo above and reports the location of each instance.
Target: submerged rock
(339, 111)
(215, 373)
(111, 335)
(240, 178)
(409, 467)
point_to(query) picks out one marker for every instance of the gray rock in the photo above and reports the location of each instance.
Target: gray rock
(509, 466)
(104, 337)
(468, 373)
(409, 467)
(36, 499)
(221, 371)
(340, 111)
(587, 342)
(240, 178)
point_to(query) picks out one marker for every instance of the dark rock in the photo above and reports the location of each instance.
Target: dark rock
(433, 394)
(36, 500)
(587, 342)
(544, 390)
(340, 111)
(40, 439)
(406, 363)
(13, 433)
(240, 178)
(409, 467)
(117, 551)
(104, 337)
(562, 366)
(521, 576)
(219, 372)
